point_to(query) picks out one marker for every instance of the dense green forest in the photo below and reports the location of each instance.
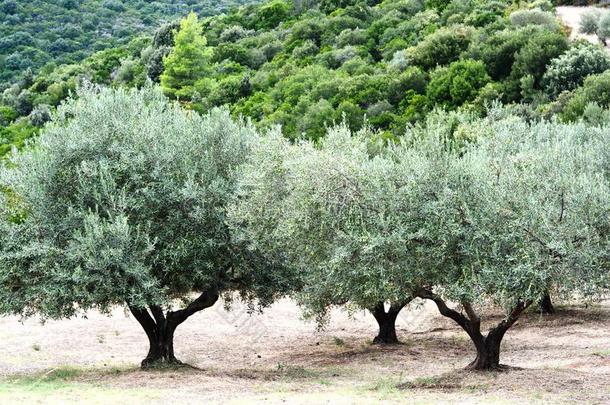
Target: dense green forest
(306, 64)
(38, 32)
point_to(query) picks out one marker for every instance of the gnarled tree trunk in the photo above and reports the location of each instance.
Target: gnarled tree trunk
(487, 346)
(387, 321)
(488, 351)
(546, 305)
(160, 328)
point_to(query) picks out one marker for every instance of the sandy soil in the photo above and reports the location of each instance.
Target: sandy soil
(571, 15)
(276, 357)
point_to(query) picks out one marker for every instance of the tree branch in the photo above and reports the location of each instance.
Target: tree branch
(499, 331)
(396, 307)
(562, 207)
(205, 300)
(157, 313)
(444, 309)
(144, 318)
(552, 252)
(472, 315)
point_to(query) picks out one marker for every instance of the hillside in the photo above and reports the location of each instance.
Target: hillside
(38, 32)
(304, 65)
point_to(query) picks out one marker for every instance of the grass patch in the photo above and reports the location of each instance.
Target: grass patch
(386, 386)
(56, 375)
(70, 385)
(446, 382)
(602, 353)
(338, 341)
(424, 382)
(60, 375)
(292, 372)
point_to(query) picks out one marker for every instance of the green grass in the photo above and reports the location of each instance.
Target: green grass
(602, 353)
(66, 385)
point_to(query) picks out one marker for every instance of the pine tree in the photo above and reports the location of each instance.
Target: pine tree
(187, 62)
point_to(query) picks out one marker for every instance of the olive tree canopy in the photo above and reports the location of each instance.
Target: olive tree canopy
(485, 212)
(122, 201)
(523, 209)
(338, 212)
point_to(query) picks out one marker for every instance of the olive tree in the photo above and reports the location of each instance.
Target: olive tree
(331, 212)
(589, 21)
(524, 209)
(122, 201)
(490, 212)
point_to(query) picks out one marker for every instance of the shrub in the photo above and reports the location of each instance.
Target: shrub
(440, 48)
(595, 89)
(603, 28)
(521, 18)
(533, 58)
(588, 22)
(457, 84)
(499, 49)
(40, 115)
(569, 70)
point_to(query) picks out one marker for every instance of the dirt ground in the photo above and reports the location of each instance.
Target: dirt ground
(276, 357)
(571, 16)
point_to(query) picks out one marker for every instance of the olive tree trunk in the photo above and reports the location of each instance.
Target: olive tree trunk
(487, 346)
(387, 321)
(546, 305)
(160, 328)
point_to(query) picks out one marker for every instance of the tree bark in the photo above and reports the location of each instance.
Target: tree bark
(488, 351)
(160, 328)
(487, 346)
(387, 321)
(546, 305)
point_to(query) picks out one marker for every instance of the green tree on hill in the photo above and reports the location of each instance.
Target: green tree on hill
(188, 61)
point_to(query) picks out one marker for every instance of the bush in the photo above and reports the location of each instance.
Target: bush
(603, 27)
(457, 84)
(569, 70)
(593, 114)
(588, 22)
(523, 18)
(400, 60)
(40, 115)
(7, 115)
(595, 89)
(498, 50)
(271, 14)
(440, 48)
(537, 53)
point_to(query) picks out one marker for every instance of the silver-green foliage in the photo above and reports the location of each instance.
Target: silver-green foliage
(522, 208)
(535, 16)
(569, 70)
(333, 212)
(589, 21)
(122, 200)
(532, 211)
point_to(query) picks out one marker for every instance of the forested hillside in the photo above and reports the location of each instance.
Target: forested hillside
(36, 32)
(306, 64)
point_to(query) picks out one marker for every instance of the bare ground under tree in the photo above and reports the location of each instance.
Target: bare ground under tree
(561, 358)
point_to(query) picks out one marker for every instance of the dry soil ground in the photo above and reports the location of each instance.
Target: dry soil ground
(571, 16)
(276, 357)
